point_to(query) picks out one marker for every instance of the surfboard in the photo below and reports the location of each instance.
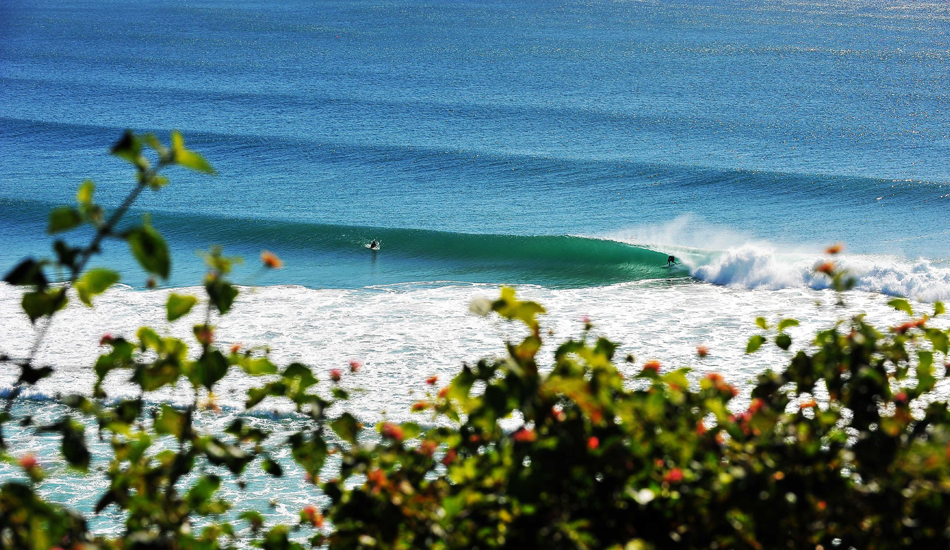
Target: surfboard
(371, 247)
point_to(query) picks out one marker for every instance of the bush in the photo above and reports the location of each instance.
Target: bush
(846, 446)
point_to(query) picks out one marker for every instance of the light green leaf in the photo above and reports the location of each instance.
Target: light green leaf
(760, 321)
(179, 305)
(785, 323)
(939, 309)
(84, 194)
(186, 158)
(901, 305)
(95, 282)
(755, 343)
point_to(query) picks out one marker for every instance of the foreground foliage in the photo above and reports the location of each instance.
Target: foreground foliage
(847, 445)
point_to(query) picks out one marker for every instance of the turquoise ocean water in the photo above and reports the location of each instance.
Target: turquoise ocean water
(562, 148)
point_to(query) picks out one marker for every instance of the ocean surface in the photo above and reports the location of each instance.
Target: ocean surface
(564, 148)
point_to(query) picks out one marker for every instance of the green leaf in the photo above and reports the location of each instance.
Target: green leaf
(755, 343)
(129, 148)
(346, 426)
(211, 367)
(28, 272)
(44, 303)
(170, 421)
(258, 366)
(939, 309)
(74, 441)
(179, 305)
(63, 218)
(901, 305)
(84, 194)
(760, 321)
(783, 341)
(272, 467)
(785, 323)
(221, 294)
(186, 158)
(939, 340)
(95, 282)
(311, 453)
(150, 250)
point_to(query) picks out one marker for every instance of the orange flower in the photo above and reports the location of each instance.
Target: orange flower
(827, 268)
(376, 479)
(419, 406)
(652, 365)
(821, 505)
(392, 431)
(204, 335)
(432, 380)
(756, 405)
(443, 392)
(524, 435)
(270, 260)
(702, 351)
(558, 414)
(235, 348)
(835, 248)
(311, 514)
(701, 428)
(336, 375)
(808, 404)
(593, 443)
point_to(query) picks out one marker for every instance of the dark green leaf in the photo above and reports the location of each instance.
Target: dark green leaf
(783, 341)
(63, 218)
(272, 468)
(28, 272)
(346, 426)
(150, 250)
(128, 148)
(211, 367)
(44, 303)
(221, 293)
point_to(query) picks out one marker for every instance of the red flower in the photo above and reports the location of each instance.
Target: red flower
(432, 380)
(449, 457)
(392, 431)
(106, 340)
(835, 248)
(355, 365)
(714, 377)
(901, 398)
(756, 405)
(27, 461)
(700, 428)
(419, 406)
(235, 348)
(673, 476)
(524, 435)
(270, 260)
(702, 351)
(558, 414)
(428, 448)
(443, 392)
(336, 375)
(204, 335)
(376, 479)
(593, 443)
(652, 365)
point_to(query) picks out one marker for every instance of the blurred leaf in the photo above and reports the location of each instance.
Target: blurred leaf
(95, 282)
(755, 343)
(221, 294)
(761, 323)
(179, 306)
(785, 323)
(85, 192)
(309, 452)
(901, 304)
(170, 421)
(74, 441)
(257, 366)
(30, 375)
(63, 218)
(345, 426)
(44, 303)
(186, 158)
(28, 272)
(129, 148)
(272, 467)
(211, 367)
(783, 341)
(150, 250)
(939, 309)
(939, 340)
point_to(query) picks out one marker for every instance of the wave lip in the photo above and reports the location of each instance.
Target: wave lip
(756, 267)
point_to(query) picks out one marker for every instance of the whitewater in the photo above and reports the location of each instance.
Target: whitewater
(565, 150)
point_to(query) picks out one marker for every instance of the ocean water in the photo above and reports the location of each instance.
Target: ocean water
(565, 149)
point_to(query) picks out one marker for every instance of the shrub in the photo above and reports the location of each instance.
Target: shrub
(846, 446)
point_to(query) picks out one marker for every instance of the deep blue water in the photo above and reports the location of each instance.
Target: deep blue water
(796, 123)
